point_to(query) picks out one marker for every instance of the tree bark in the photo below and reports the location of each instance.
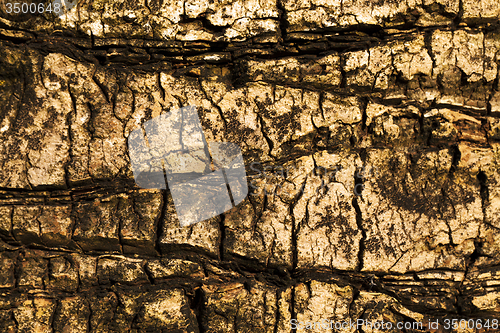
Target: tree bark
(370, 133)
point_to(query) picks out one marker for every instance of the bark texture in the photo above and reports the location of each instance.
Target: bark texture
(370, 132)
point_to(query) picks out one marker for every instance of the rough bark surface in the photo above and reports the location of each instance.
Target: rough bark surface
(370, 132)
